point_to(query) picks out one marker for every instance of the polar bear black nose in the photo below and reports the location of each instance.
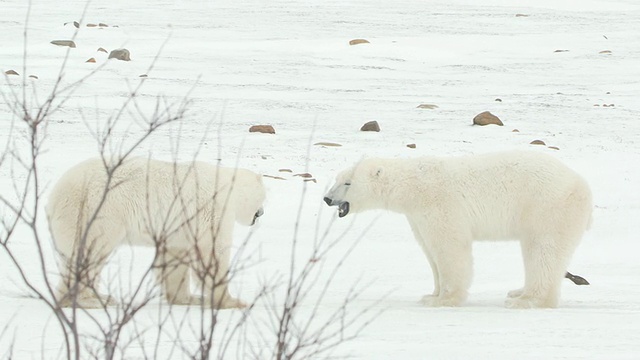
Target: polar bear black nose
(328, 200)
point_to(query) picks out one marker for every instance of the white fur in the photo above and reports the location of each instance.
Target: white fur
(186, 211)
(449, 202)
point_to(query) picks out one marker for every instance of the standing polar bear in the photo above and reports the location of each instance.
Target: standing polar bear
(449, 202)
(186, 211)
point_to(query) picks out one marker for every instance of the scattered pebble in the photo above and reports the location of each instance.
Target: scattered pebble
(487, 118)
(310, 180)
(522, 15)
(358, 41)
(515, 130)
(498, 100)
(120, 54)
(11, 72)
(605, 52)
(561, 50)
(553, 147)
(265, 129)
(92, 25)
(427, 106)
(33, 77)
(411, 146)
(304, 175)
(323, 143)
(285, 170)
(143, 76)
(103, 25)
(274, 177)
(371, 126)
(92, 60)
(68, 43)
(537, 142)
(103, 50)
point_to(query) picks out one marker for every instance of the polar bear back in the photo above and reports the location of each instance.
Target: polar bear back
(149, 196)
(492, 196)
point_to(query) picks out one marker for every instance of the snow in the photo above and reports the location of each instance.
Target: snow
(288, 63)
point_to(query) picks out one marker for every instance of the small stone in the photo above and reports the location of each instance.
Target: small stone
(310, 180)
(427, 106)
(33, 77)
(285, 170)
(274, 177)
(371, 126)
(11, 72)
(103, 25)
(498, 100)
(323, 143)
(75, 23)
(522, 15)
(596, 104)
(358, 41)
(561, 50)
(553, 147)
(120, 54)
(411, 146)
(265, 129)
(537, 142)
(605, 52)
(103, 50)
(304, 175)
(486, 118)
(92, 60)
(68, 43)
(143, 76)
(92, 25)
(515, 130)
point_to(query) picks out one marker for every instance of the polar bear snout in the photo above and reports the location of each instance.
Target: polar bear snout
(258, 213)
(343, 206)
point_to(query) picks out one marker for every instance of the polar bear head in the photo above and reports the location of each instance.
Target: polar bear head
(361, 187)
(249, 195)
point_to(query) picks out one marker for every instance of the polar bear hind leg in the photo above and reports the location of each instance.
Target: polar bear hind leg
(80, 278)
(453, 260)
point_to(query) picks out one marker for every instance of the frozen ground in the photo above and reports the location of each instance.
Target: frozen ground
(289, 64)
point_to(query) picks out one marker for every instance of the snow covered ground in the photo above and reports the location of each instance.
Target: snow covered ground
(289, 64)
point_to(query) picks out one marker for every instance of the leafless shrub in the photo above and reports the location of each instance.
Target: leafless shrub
(283, 319)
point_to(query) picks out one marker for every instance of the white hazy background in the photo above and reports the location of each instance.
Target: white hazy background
(289, 64)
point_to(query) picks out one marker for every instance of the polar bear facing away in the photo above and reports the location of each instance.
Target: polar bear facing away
(185, 211)
(449, 202)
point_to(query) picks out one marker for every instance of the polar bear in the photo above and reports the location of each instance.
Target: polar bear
(185, 211)
(449, 202)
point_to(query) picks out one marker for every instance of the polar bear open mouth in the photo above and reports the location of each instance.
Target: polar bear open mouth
(343, 209)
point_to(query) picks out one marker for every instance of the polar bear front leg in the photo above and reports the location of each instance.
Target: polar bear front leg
(454, 261)
(216, 287)
(174, 279)
(82, 289)
(434, 267)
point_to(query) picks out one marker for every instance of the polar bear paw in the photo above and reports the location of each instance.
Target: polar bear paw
(438, 301)
(515, 293)
(88, 301)
(230, 303)
(227, 302)
(519, 302)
